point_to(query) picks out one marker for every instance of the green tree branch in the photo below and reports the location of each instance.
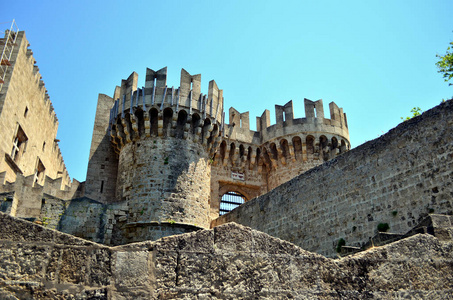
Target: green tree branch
(445, 64)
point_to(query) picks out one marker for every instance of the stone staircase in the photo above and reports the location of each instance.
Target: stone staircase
(440, 226)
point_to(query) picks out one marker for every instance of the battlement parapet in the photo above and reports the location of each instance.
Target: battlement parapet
(18, 43)
(159, 110)
(288, 139)
(49, 186)
(286, 123)
(27, 194)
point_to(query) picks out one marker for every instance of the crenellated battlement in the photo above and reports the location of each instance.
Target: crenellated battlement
(159, 110)
(283, 140)
(286, 148)
(168, 153)
(284, 116)
(29, 115)
(27, 195)
(23, 45)
(16, 42)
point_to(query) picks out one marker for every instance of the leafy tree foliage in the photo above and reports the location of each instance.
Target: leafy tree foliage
(416, 111)
(445, 64)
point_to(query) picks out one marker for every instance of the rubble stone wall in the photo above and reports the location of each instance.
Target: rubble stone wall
(227, 262)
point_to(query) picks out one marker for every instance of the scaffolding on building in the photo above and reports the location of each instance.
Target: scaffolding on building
(7, 45)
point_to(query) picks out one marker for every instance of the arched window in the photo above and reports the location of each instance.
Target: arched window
(297, 143)
(232, 153)
(343, 146)
(168, 116)
(222, 150)
(249, 154)
(230, 201)
(195, 122)
(323, 142)
(257, 158)
(310, 142)
(334, 143)
(140, 121)
(153, 119)
(285, 148)
(274, 151)
(241, 151)
(181, 123)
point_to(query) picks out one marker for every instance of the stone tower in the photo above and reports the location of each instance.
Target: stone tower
(164, 139)
(162, 158)
(252, 163)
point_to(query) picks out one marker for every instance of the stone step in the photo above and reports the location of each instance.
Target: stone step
(441, 226)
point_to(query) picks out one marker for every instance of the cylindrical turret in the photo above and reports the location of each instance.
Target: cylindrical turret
(251, 163)
(165, 139)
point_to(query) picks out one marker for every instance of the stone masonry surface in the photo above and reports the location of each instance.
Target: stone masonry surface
(396, 179)
(161, 159)
(25, 107)
(227, 262)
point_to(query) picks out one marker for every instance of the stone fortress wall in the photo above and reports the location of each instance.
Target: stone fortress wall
(398, 179)
(25, 103)
(161, 156)
(227, 262)
(31, 163)
(142, 136)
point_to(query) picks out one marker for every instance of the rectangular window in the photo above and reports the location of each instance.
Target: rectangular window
(19, 144)
(39, 172)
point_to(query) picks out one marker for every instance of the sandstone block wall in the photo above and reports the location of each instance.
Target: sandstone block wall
(29, 198)
(396, 179)
(227, 262)
(24, 102)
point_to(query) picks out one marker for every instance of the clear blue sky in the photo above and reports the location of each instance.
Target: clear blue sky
(376, 59)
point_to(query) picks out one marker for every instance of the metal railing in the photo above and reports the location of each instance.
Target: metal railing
(230, 201)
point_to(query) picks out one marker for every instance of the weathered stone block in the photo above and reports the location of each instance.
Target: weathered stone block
(100, 267)
(131, 269)
(73, 268)
(233, 238)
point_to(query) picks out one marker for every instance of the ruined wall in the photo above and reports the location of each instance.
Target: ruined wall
(397, 179)
(25, 109)
(228, 262)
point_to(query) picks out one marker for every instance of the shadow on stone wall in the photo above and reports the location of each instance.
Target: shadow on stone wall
(86, 218)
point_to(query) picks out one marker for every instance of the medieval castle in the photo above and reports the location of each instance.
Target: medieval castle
(159, 156)
(164, 162)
